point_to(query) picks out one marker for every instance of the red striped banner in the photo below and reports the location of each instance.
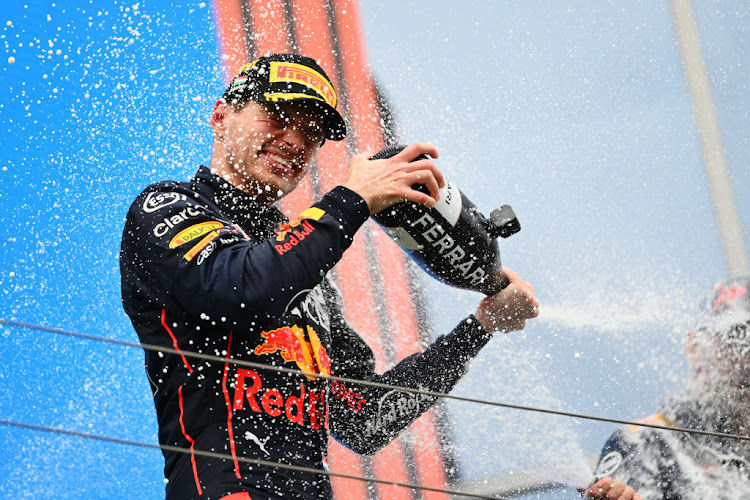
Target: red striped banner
(373, 275)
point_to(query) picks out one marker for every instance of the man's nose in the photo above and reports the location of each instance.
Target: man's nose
(294, 137)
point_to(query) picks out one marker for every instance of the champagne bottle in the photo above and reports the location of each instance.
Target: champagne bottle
(452, 241)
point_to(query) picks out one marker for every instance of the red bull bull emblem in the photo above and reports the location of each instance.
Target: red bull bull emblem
(293, 232)
(311, 357)
(293, 236)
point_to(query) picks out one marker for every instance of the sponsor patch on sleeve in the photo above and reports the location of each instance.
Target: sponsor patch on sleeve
(201, 245)
(193, 232)
(175, 219)
(293, 232)
(157, 200)
(609, 463)
(313, 213)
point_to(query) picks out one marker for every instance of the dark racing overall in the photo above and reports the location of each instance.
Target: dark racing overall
(208, 269)
(668, 465)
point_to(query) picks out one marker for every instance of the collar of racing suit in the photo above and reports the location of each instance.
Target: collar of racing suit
(254, 217)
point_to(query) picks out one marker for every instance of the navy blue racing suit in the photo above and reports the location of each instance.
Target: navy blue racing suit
(208, 269)
(670, 465)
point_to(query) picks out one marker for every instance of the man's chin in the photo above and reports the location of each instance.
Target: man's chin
(282, 171)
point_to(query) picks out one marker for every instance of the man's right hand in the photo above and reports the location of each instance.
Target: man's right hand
(383, 183)
(607, 489)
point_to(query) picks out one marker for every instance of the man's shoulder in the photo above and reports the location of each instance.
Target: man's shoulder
(630, 440)
(627, 436)
(646, 423)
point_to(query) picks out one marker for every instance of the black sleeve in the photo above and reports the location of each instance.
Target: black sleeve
(209, 266)
(365, 418)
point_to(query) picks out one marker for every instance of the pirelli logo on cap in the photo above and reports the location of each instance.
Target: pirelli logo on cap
(298, 73)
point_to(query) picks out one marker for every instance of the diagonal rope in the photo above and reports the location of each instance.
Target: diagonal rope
(261, 366)
(251, 461)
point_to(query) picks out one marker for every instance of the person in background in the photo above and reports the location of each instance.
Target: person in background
(662, 464)
(211, 266)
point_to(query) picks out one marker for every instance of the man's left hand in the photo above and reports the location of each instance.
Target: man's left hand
(508, 309)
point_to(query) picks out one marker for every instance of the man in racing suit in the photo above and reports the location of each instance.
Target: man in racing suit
(210, 266)
(676, 465)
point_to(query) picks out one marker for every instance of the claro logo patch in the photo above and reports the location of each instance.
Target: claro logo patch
(193, 232)
(167, 223)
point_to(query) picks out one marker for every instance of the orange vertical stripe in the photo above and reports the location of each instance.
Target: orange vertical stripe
(270, 32)
(399, 303)
(174, 340)
(364, 110)
(232, 38)
(191, 441)
(428, 455)
(314, 38)
(343, 460)
(228, 399)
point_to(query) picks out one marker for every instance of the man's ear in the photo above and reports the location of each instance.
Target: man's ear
(219, 115)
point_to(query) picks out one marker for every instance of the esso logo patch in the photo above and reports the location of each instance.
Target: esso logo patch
(155, 201)
(610, 463)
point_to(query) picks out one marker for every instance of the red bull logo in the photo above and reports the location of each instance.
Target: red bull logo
(311, 357)
(297, 230)
(313, 213)
(309, 408)
(293, 233)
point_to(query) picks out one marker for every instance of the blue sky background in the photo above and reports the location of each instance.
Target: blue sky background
(575, 113)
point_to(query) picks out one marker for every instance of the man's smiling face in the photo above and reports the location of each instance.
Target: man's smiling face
(270, 147)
